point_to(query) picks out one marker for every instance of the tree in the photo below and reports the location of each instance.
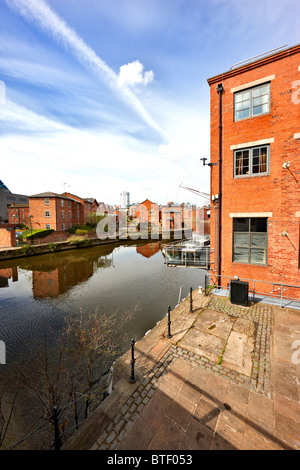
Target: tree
(67, 373)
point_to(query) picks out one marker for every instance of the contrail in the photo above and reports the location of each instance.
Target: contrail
(41, 13)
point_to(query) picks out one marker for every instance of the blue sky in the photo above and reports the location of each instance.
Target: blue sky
(112, 95)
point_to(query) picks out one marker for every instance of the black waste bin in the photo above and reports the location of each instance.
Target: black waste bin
(239, 291)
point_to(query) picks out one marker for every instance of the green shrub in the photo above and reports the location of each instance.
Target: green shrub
(36, 233)
(52, 246)
(27, 250)
(74, 228)
(80, 231)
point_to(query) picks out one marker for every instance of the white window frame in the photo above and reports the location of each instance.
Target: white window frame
(47, 214)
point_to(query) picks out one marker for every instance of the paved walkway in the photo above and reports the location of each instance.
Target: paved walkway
(185, 399)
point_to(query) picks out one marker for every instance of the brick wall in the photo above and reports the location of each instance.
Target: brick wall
(277, 193)
(7, 238)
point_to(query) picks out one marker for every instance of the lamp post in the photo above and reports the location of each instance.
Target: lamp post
(30, 225)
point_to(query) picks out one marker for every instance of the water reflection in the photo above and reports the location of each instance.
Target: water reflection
(53, 275)
(6, 274)
(148, 250)
(42, 291)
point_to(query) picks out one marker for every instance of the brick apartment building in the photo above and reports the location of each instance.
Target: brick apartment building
(85, 208)
(255, 169)
(147, 211)
(18, 214)
(54, 211)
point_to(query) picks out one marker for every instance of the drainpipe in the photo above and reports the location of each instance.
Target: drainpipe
(220, 90)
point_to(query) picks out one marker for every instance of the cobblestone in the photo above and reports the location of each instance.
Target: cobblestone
(259, 380)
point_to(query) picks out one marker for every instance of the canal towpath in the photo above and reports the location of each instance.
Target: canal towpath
(227, 378)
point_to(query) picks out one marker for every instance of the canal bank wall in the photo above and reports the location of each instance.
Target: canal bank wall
(46, 248)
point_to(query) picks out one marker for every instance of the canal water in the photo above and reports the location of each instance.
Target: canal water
(40, 292)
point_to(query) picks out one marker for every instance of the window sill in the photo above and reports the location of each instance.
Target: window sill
(251, 176)
(250, 264)
(251, 117)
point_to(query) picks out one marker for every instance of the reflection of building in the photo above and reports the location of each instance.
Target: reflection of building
(8, 273)
(57, 281)
(148, 250)
(59, 273)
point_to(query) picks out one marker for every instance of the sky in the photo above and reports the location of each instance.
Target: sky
(103, 96)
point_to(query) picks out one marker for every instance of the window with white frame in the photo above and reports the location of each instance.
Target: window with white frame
(252, 102)
(250, 240)
(48, 226)
(47, 213)
(63, 226)
(62, 214)
(252, 161)
(46, 200)
(62, 202)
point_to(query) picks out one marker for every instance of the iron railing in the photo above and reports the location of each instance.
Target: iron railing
(280, 292)
(183, 255)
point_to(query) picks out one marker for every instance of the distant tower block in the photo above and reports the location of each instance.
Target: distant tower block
(125, 200)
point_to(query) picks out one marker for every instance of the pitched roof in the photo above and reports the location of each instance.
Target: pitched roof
(18, 205)
(50, 194)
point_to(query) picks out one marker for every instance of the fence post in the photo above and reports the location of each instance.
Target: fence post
(191, 299)
(169, 322)
(57, 438)
(132, 377)
(180, 294)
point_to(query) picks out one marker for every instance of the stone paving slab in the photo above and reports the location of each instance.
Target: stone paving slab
(186, 401)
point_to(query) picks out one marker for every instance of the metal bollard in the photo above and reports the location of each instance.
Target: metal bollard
(191, 299)
(169, 322)
(132, 377)
(57, 439)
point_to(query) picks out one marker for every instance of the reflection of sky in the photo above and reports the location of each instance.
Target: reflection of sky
(133, 281)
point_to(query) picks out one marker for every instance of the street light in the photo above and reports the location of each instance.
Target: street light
(30, 224)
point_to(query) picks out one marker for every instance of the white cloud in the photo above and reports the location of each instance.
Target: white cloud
(41, 13)
(133, 74)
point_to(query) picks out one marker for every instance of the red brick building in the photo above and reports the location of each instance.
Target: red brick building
(255, 169)
(85, 207)
(54, 211)
(171, 216)
(18, 214)
(147, 211)
(94, 204)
